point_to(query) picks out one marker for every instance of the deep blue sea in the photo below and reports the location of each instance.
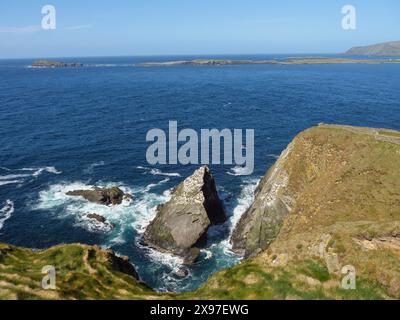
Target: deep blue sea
(65, 129)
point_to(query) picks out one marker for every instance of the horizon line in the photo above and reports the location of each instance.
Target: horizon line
(170, 55)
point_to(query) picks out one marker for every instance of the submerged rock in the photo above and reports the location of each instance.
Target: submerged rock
(101, 220)
(182, 273)
(181, 224)
(105, 196)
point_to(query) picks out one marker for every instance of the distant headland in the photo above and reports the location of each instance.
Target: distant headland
(382, 49)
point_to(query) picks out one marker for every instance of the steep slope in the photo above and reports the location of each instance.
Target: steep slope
(381, 49)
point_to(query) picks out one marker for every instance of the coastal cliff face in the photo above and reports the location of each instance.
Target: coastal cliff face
(181, 223)
(326, 175)
(331, 203)
(260, 224)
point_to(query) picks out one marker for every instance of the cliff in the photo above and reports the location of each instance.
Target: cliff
(330, 203)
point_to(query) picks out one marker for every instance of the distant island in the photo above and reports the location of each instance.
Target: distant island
(55, 64)
(300, 60)
(381, 49)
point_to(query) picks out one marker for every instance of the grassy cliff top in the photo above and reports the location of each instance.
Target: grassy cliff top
(82, 272)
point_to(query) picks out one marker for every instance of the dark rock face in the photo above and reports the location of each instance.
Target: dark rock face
(260, 224)
(105, 196)
(181, 224)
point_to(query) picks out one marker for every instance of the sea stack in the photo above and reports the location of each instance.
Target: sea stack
(181, 224)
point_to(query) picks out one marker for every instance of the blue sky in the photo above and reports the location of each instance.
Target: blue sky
(157, 27)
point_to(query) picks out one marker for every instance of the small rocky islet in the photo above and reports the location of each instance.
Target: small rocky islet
(55, 64)
(330, 201)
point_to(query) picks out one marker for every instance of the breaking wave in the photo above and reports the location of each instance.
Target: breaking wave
(239, 171)
(158, 172)
(6, 212)
(19, 176)
(91, 167)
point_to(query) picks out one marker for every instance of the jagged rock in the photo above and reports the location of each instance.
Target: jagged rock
(105, 196)
(181, 224)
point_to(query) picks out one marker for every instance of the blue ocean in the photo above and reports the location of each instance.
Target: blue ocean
(72, 128)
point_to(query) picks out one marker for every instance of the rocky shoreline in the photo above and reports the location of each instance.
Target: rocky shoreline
(331, 201)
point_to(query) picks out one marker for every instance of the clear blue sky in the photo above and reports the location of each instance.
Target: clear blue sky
(157, 27)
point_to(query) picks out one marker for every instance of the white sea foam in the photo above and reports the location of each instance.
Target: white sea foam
(14, 176)
(91, 167)
(170, 260)
(4, 183)
(153, 185)
(245, 200)
(208, 253)
(239, 171)
(37, 171)
(19, 178)
(272, 155)
(6, 212)
(137, 213)
(158, 172)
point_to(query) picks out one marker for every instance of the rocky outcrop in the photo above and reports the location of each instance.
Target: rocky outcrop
(105, 196)
(181, 224)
